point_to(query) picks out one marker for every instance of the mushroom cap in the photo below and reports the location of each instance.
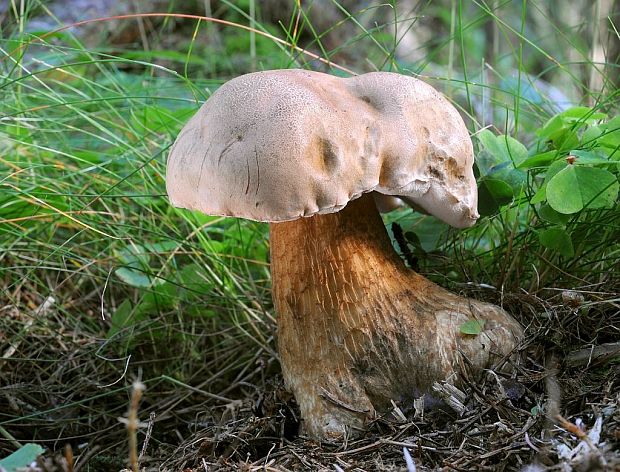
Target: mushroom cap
(284, 144)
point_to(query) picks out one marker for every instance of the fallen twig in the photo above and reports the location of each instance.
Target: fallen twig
(601, 353)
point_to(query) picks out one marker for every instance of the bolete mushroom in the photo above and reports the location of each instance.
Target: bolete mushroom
(307, 152)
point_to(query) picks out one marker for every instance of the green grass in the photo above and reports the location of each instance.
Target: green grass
(182, 300)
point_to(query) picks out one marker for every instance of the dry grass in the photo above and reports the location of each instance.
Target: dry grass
(242, 418)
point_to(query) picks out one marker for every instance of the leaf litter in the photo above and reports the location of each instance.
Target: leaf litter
(558, 409)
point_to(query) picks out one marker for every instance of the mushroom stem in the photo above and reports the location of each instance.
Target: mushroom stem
(357, 329)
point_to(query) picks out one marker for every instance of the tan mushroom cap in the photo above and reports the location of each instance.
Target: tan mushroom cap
(279, 145)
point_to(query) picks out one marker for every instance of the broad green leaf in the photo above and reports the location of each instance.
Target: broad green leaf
(216, 247)
(488, 141)
(590, 157)
(554, 168)
(499, 158)
(540, 195)
(122, 318)
(430, 230)
(558, 240)
(610, 138)
(506, 172)
(161, 247)
(566, 140)
(516, 151)
(612, 154)
(192, 277)
(549, 214)
(21, 458)
(585, 114)
(591, 134)
(562, 128)
(491, 154)
(136, 258)
(159, 297)
(552, 128)
(134, 255)
(413, 238)
(539, 160)
(577, 187)
(133, 277)
(504, 148)
(492, 194)
(472, 327)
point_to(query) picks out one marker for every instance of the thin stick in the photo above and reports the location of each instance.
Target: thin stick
(604, 352)
(132, 425)
(149, 431)
(9, 436)
(84, 458)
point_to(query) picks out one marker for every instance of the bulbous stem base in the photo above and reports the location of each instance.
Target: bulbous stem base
(357, 329)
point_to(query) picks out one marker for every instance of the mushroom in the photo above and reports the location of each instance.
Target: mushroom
(310, 153)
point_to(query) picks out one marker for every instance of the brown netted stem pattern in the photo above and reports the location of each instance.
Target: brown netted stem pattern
(358, 329)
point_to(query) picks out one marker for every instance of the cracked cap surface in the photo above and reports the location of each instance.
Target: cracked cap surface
(284, 144)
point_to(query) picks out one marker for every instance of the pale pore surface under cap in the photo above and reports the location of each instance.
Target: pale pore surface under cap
(279, 145)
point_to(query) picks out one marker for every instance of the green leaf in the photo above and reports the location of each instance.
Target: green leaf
(413, 238)
(488, 141)
(562, 128)
(575, 187)
(121, 318)
(549, 214)
(472, 327)
(552, 128)
(133, 277)
(491, 154)
(554, 168)
(558, 240)
(503, 148)
(429, 231)
(21, 458)
(591, 134)
(161, 247)
(192, 277)
(611, 136)
(158, 298)
(540, 195)
(566, 140)
(498, 161)
(134, 255)
(492, 194)
(590, 157)
(539, 160)
(584, 114)
(516, 151)
(505, 171)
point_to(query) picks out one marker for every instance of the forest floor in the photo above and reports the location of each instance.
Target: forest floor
(499, 422)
